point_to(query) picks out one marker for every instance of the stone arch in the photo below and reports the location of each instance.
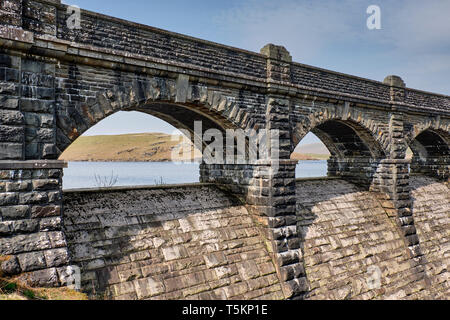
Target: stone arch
(431, 152)
(367, 130)
(431, 142)
(356, 150)
(175, 101)
(438, 125)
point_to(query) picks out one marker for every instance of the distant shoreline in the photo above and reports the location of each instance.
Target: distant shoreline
(150, 161)
(153, 147)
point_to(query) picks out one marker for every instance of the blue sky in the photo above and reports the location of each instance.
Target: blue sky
(414, 41)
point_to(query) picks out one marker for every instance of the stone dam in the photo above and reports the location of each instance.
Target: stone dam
(199, 242)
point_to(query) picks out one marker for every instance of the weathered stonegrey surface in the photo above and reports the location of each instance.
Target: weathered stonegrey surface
(345, 231)
(57, 82)
(30, 224)
(431, 209)
(197, 242)
(189, 242)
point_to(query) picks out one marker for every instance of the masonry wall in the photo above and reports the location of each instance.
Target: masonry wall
(431, 210)
(31, 236)
(88, 94)
(347, 236)
(187, 242)
(198, 242)
(108, 32)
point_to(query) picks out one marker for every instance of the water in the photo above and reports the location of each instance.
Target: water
(82, 174)
(311, 168)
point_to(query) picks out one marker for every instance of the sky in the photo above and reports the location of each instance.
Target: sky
(413, 42)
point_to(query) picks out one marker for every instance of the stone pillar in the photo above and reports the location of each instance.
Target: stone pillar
(38, 107)
(32, 241)
(392, 180)
(392, 176)
(397, 88)
(267, 185)
(271, 200)
(271, 195)
(27, 93)
(278, 63)
(31, 229)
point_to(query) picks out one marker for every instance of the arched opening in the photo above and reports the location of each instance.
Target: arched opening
(431, 153)
(353, 152)
(312, 156)
(329, 211)
(130, 149)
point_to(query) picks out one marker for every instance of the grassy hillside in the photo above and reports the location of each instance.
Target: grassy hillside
(319, 151)
(313, 148)
(158, 147)
(309, 156)
(312, 151)
(127, 147)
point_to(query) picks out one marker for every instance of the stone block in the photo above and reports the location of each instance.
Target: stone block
(8, 198)
(33, 198)
(11, 133)
(9, 103)
(11, 151)
(148, 287)
(45, 211)
(41, 278)
(6, 228)
(56, 257)
(215, 259)
(25, 226)
(17, 186)
(40, 106)
(12, 117)
(45, 184)
(10, 266)
(248, 270)
(173, 253)
(31, 261)
(50, 224)
(15, 212)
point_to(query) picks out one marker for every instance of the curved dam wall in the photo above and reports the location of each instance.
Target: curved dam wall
(185, 242)
(431, 209)
(199, 242)
(350, 243)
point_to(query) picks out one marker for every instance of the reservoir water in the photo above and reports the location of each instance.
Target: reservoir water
(95, 174)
